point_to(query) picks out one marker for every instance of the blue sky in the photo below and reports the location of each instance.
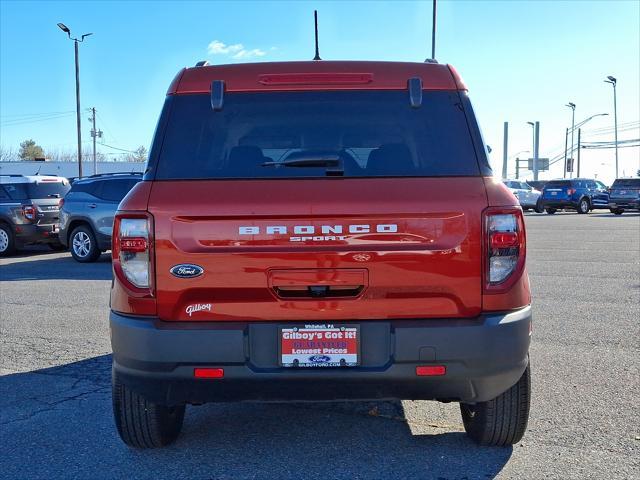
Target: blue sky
(523, 61)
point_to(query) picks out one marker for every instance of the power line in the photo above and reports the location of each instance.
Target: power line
(35, 114)
(104, 124)
(11, 123)
(116, 148)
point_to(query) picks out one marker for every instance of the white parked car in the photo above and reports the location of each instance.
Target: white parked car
(526, 194)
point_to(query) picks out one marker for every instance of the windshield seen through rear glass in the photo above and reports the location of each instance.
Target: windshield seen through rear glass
(626, 182)
(25, 191)
(314, 134)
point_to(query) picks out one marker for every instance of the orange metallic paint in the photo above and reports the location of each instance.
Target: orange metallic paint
(251, 76)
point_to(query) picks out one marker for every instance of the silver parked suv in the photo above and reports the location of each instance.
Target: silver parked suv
(86, 216)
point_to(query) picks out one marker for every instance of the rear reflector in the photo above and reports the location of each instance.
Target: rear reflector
(431, 370)
(208, 372)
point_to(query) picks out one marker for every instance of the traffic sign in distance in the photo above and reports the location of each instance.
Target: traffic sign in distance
(543, 164)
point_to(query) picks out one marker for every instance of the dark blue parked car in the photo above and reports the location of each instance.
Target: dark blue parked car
(580, 194)
(624, 195)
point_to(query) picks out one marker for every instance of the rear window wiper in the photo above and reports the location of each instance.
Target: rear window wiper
(53, 195)
(332, 162)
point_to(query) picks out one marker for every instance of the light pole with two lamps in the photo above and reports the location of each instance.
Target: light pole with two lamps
(613, 81)
(66, 30)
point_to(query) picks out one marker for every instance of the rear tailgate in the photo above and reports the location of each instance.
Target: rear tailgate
(380, 248)
(625, 189)
(48, 211)
(557, 191)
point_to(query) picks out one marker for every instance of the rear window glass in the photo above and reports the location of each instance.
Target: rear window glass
(115, 190)
(25, 191)
(314, 134)
(627, 182)
(558, 184)
(84, 187)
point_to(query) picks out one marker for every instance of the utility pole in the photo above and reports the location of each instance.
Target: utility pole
(66, 30)
(566, 139)
(578, 171)
(94, 134)
(505, 146)
(517, 168)
(536, 148)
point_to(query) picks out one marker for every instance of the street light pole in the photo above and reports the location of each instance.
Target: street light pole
(578, 125)
(566, 140)
(613, 81)
(572, 106)
(66, 30)
(78, 126)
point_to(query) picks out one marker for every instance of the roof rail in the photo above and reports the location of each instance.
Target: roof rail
(202, 63)
(97, 175)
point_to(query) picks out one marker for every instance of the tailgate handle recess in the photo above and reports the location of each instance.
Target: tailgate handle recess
(318, 283)
(319, 291)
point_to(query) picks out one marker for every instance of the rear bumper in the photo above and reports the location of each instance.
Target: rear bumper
(483, 357)
(545, 203)
(624, 203)
(29, 234)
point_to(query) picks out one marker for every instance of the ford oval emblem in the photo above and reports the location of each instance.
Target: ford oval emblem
(186, 270)
(319, 359)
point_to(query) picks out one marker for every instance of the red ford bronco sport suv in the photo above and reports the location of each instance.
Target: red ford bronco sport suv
(319, 231)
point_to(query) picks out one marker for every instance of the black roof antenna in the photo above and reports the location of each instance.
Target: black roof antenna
(315, 18)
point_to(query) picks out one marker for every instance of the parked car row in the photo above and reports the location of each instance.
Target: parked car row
(528, 196)
(49, 210)
(46, 209)
(87, 211)
(580, 194)
(29, 212)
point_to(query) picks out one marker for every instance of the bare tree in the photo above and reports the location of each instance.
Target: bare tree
(138, 155)
(7, 154)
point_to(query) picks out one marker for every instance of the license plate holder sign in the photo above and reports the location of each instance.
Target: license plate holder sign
(320, 346)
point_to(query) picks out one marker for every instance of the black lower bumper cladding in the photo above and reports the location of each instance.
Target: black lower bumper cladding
(483, 357)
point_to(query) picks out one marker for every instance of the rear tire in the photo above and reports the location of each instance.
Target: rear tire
(83, 245)
(143, 424)
(503, 420)
(7, 241)
(551, 211)
(539, 208)
(617, 211)
(583, 206)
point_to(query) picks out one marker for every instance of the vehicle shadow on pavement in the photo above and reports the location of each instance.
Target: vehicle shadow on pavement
(60, 424)
(57, 267)
(609, 215)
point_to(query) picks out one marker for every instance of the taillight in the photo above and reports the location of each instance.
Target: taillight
(571, 191)
(29, 212)
(504, 247)
(132, 250)
(60, 203)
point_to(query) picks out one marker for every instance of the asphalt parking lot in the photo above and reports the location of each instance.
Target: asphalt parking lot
(55, 399)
